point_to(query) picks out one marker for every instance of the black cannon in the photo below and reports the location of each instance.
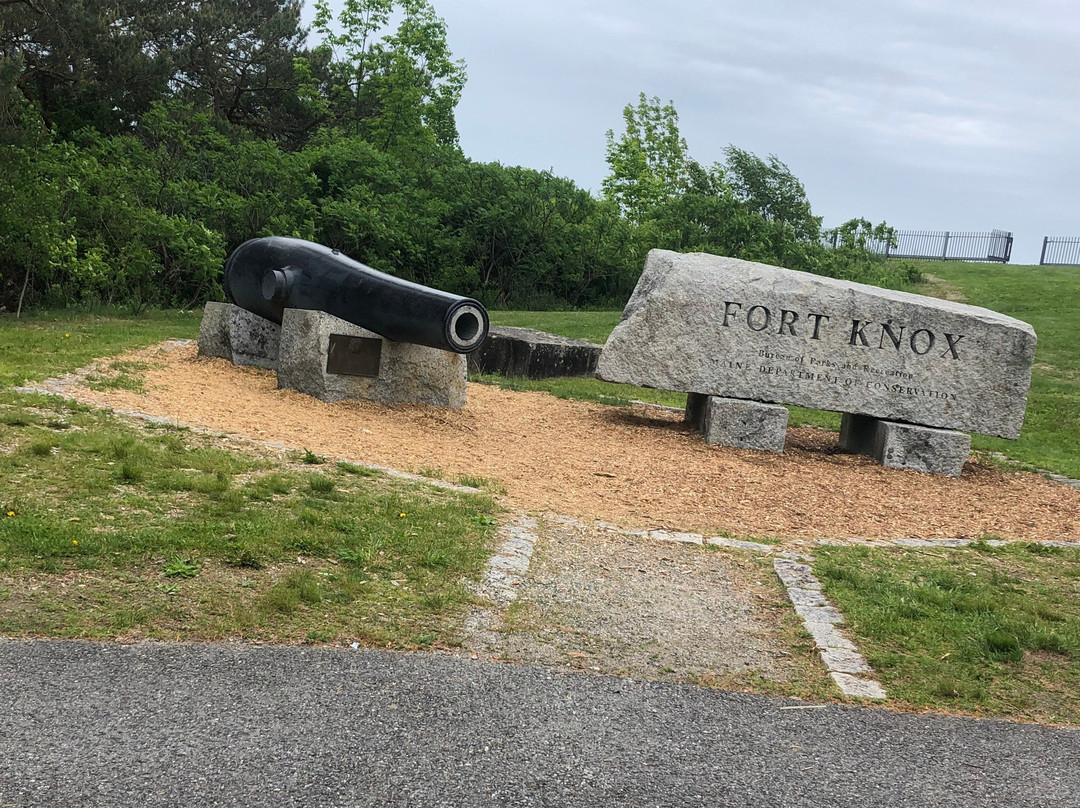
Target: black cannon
(268, 275)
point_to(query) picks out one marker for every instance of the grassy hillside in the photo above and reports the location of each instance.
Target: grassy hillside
(1049, 299)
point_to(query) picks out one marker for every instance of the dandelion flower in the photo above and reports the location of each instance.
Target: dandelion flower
(401, 516)
(75, 542)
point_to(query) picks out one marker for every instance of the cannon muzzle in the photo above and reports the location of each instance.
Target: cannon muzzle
(268, 275)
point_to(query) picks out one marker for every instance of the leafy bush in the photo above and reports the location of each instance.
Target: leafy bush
(133, 196)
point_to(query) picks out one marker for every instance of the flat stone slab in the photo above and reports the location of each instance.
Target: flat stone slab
(408, 373)
(737, 329)
(906, 446)
(533, 354)
(738, 423)
(841, 660)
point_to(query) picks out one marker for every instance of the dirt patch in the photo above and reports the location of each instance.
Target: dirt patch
(637, 467)
(941, 288)
(599, 601)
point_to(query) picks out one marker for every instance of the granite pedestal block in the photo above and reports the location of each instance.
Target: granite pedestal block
(906, 446)
(738, 423)
(230, 332)
(406, 374)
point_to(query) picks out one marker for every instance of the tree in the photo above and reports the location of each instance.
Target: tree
(744, 207)
(239, 61)
(861, 234)
(391, 87)
(706, 217)
(648, 162)
(96, 63)
(768, 188)
(102, 63)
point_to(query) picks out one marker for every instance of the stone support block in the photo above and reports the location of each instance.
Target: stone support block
(533, 354)
(408, 373)
(738, 423)
(230, 332)
(906, 446)
(857, 433)
(214, 331)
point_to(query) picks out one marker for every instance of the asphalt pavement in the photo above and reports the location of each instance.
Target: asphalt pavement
(103, 724)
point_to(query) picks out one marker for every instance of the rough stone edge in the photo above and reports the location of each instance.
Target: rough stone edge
(506, 569)
(847, 667)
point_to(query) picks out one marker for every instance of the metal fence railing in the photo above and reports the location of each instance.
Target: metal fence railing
(944, 245)
(1060, 251)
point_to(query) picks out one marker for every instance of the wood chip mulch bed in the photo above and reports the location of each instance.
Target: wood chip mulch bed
(639, 467)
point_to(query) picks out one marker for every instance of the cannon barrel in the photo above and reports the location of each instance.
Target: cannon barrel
(268, 275)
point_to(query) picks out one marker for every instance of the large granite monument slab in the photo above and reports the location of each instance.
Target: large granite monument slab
(725, 327)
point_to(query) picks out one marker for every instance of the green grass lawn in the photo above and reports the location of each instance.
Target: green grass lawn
(1049, 299)
(591, 325)
(110, 528)
(988, 630)
(48, 344)
(114, 528)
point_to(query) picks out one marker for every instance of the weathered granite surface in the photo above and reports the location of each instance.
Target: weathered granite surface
(721, 326)
(214, 331)
(255, 341)
(230, 332)
(906, 446)
(533, 354)
(408, 374)
(738, 423)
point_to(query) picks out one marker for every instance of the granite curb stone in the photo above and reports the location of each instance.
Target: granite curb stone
(847, 667)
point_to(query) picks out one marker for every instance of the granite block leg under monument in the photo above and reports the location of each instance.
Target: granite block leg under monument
(737, 422)
(906, 446)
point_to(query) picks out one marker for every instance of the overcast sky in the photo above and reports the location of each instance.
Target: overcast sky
(928, 114)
